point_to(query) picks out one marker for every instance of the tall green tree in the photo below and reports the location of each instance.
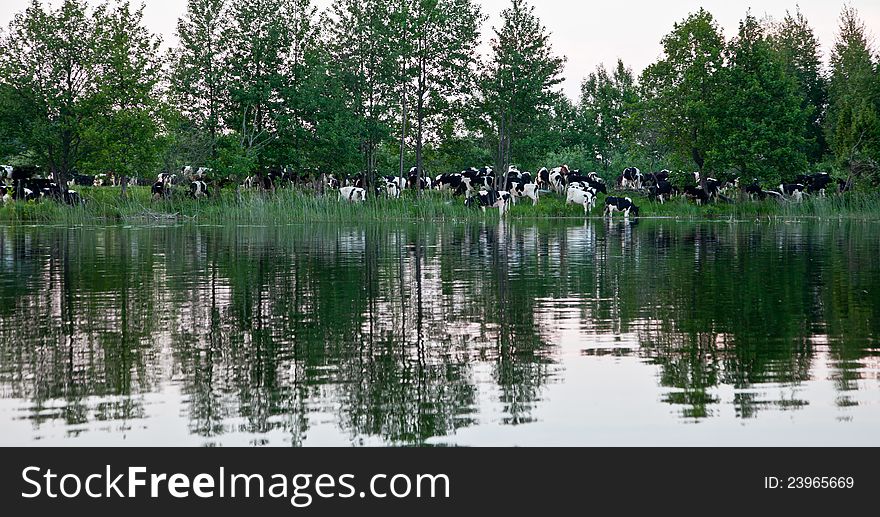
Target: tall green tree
(801, 54)
(361, 38)
(259, 41)
(520, 82)
(683, 85)
(607, 100)
(853, 118)
(50, 68)
(198, 73)
(761, 120)
(122, 134)
(443, 35)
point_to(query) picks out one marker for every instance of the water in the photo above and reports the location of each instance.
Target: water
(564, 333)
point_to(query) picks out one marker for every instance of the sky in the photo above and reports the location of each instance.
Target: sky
(587, 32)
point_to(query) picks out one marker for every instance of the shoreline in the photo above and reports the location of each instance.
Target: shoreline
(104, 206)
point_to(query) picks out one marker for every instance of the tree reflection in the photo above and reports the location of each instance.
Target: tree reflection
(391, 331)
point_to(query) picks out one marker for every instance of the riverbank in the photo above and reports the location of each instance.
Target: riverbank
(105, 206)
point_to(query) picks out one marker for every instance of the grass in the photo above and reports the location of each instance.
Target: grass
(105, 205)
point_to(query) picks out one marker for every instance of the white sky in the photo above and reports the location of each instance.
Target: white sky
(587, 32)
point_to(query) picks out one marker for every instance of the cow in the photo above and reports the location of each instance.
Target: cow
(591, 180)
(527, 190)
(159, 190)
(5, 194)
(620, 204)
(697, 193)
(198, 189)
(662, 191)
(557, 181)
(451, 182)
(542, 178)
(631, 178)
(6, 172)
(352, 194)
(391, 189)
(104, 180)
(499, 199)
(581, 196)
(815, 183)
(795, 191)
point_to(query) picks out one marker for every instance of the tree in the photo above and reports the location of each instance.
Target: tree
(259, 40)
(801, 54)
(361, 36)
(122, 134)
(198, 70)
(443, 37)
(606, 102)
(518, 89)
(681, 87)
(853, 122)
(49, 60)
(761, 120)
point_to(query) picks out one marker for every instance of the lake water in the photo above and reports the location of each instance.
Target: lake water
(561, 333)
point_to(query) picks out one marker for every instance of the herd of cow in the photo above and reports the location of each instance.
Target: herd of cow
(480, 187)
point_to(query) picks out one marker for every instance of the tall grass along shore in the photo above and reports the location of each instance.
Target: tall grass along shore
(105, 205)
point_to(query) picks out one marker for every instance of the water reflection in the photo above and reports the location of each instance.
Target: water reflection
(413, 334)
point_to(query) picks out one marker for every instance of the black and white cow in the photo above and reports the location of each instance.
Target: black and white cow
(390, 189)
(697, 194)
(5, 194)
(662, 191)
(198, 189)
(352, 194)
(631, 178)
(794, 191)
(449, 182)
(585, 197)
(816, 183)
(592, 180)
(524, 190)
(6, 172)
(499, 199)
(620, 204)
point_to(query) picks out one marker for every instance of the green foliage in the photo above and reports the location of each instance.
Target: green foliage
(683, 86)
(518, 90)
(854, 110)
(606, 103)
(800, 53)
(760, 122)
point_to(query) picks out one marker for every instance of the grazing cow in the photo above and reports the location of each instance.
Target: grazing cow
(529, 190)
(620, 204)
(662, 191)
(198, 189)
(630, 179)
(499, 199)
(581, 196)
